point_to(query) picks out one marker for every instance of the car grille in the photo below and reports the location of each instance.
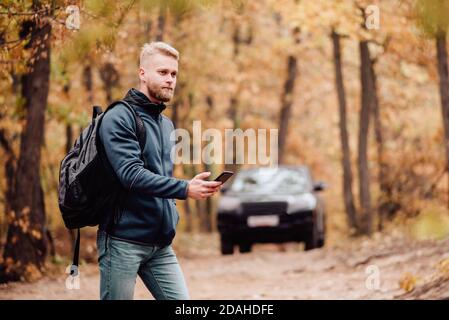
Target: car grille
(264, 208)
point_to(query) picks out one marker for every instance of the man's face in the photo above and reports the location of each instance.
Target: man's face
(159, 72)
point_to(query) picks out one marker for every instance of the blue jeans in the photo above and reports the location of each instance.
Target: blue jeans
(120, 262)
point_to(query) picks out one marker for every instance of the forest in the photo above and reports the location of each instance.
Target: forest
(358, 91)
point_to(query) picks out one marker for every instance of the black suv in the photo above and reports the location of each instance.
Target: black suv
(271, 205)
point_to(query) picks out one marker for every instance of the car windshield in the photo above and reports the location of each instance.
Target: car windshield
(272, 180)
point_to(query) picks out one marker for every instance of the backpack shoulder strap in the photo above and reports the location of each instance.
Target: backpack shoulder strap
(141, 132)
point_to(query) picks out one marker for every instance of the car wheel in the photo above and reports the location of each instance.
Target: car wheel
(312, 240)
(320, 243)
(227, 247)
(245, 247)
(322, 236)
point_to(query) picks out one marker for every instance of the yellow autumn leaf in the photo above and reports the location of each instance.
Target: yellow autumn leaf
(443, 266)
(407, 282)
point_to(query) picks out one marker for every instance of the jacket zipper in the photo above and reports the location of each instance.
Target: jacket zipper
(162, 143)
(159, 122)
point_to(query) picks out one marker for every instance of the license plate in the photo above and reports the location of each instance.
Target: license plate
(263, 221)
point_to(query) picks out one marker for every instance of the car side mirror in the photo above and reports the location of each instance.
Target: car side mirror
(319, 186)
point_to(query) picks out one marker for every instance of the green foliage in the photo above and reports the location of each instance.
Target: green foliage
(432, 223)
(433, 15)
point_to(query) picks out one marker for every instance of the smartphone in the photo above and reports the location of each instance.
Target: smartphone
(224, 176)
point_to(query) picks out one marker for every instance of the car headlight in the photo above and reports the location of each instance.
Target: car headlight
(302, 202)
(228, 204)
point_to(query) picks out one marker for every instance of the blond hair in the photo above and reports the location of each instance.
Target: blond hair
(152, 48)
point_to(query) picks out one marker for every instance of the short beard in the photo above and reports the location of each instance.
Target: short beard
(159, 93)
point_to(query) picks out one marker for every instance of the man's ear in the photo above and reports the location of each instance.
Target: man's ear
(142, 74)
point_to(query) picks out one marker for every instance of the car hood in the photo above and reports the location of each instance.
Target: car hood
(296, 202)
(256, 197)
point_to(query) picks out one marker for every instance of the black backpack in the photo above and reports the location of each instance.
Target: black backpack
(89, 190)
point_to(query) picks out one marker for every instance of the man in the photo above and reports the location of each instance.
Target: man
(139, 240)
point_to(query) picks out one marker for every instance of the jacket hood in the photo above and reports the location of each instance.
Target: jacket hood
(137, 98)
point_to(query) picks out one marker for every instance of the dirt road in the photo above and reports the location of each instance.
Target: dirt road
(370, 269)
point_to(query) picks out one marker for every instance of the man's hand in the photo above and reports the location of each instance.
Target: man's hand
(199, 188)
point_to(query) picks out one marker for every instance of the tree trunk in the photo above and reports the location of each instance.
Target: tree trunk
(10, 169)
(230, 145)
(287, 97)
(200, 211)
(232, 111)
(178, 103)
(366, 100)
(148, 31)
(188, 171)
(208, 212)
(88, 83)
(286, 104)
(384, 201)
(161, 23)
(175, 114)
(444, 90)
(188, 216)
(348, 195)
(110, 78)
(208, 209)
(26, 245)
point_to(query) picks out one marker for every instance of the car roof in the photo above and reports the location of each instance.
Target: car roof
(295, 167)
